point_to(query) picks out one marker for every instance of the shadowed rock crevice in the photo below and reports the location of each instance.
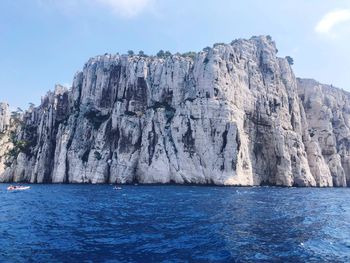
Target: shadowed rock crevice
(188, 140)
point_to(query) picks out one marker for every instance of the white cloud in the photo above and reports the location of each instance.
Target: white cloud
(332, 19)
(127, 8)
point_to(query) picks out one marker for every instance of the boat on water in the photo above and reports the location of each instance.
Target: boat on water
(17, 188)
(117, 188)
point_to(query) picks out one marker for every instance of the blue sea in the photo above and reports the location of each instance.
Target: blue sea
(94, 223)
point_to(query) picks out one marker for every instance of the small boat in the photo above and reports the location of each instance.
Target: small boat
(17, 188)
(117, 188)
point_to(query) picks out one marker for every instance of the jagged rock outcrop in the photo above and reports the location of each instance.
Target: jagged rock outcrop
(232, 115)
(4, 117)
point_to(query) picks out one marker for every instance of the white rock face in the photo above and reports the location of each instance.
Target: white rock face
(233, 115)
(5, 144)
(328, 116)
(4, 117)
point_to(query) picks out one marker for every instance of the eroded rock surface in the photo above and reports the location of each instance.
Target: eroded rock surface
(5, 143)
(233, 115)
(328, 117)
(4, 117)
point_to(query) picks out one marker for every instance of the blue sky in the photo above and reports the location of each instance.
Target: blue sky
(43, 42)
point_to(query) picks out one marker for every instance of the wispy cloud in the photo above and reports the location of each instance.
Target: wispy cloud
(121, 8)
(326, 25)
(127, 8)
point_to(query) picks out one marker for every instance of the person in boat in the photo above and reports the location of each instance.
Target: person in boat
(15, 187)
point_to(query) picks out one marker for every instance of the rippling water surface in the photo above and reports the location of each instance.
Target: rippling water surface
(87, 223)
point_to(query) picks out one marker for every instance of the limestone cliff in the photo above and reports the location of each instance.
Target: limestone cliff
(328, 122)
(233, 114)
(5, 143)
(4, 117)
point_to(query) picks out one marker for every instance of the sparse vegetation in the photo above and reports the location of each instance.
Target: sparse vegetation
(23, 146)
(20, 146)
(167, 54)
(16, 116)
(206, 49)
(290, 60)
(162, 54)
(218, 44)
(190, 54)
(142, 54)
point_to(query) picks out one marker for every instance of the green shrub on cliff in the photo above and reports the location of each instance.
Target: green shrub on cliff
(190, 54)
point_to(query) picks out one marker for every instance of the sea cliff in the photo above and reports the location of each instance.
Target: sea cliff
(233, 114)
